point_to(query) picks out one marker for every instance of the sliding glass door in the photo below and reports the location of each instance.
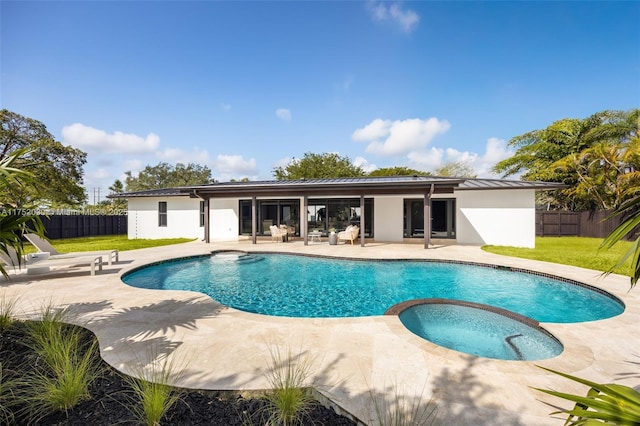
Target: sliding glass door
(443, 218)
(333, 214)
(270, 212)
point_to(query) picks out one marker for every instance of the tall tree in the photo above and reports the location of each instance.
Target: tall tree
(46, 159)
(318, 166)
(456, 169)
(559, 153)
(398, 171)
(117, 187)
(117, 203)
(165, 175)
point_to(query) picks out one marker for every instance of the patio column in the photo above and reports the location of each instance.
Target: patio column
(427, 217)
(362, 224)
(207, 226)
(254, 220)
(303, 219)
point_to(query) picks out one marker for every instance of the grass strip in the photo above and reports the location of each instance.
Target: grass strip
(575, 251)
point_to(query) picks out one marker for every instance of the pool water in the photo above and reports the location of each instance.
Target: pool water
(479, 332)
(301, 286)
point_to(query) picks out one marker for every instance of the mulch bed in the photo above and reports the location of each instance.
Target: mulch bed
(111, 395)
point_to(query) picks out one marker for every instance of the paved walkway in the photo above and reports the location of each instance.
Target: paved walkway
(354, 360)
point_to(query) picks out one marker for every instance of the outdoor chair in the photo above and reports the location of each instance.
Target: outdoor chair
(349, 234)
(37, 263)
(277, 234)
(291, 232)
(45, 246)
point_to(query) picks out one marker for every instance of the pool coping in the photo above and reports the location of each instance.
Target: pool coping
(356, 356)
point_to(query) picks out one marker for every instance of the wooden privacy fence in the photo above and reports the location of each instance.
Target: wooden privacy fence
(581, 224)
(73, 226)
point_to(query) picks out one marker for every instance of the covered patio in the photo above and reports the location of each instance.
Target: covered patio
(425, 186)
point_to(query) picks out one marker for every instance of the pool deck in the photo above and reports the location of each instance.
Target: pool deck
(354, 360)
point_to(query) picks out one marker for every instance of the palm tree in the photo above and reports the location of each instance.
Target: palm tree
(15, 222)
(579, 153)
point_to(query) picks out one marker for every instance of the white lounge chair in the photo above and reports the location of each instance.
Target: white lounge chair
(277, 234)
(45, 246)
(349, 234)
(37, 263)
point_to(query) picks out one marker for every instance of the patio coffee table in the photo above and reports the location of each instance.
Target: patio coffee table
(315, 235)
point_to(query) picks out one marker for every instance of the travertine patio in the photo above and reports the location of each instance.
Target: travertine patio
(354, 360)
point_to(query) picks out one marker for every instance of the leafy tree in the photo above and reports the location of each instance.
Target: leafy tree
(112, 205)
(456, 169)
(165, 175)
(117, 187)
(46, 159)
(13, 221)
(318, 166)
(560, 153)
(608, 174)
(398, 171)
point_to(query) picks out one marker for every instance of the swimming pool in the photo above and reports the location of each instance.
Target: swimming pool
(302, 286)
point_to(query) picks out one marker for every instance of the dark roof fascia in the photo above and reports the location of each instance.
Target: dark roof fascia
(164, 192)
(325, 187)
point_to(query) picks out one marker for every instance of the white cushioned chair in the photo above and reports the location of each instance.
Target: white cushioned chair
(349, 234)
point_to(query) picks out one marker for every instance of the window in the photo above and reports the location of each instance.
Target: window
(201, 214)
(162, 213)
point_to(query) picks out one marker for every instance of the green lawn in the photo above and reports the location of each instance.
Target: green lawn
(106, 242)
(576, 251)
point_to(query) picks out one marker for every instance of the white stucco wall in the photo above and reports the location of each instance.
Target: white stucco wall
(224, 219)
(388, 218)
(498, 217)
(183, 218)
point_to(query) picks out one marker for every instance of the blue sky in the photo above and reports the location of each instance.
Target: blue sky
(246, 86)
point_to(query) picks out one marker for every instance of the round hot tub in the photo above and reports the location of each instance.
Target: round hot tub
(477, 329)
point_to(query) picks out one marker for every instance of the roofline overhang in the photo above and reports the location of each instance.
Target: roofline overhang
(324, 188)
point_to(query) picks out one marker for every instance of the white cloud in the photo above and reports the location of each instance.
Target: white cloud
(134, 166)
(429, 160)
(98, 174)
(364, 164)
(282, 162)
(177, 155)
(225, 107)
(235, 165)
(377, 129)
(388, 137)
(495, 150)
(283, 114)
(86, 137)
(406, 19)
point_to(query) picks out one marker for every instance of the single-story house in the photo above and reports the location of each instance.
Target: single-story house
(389, 209)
